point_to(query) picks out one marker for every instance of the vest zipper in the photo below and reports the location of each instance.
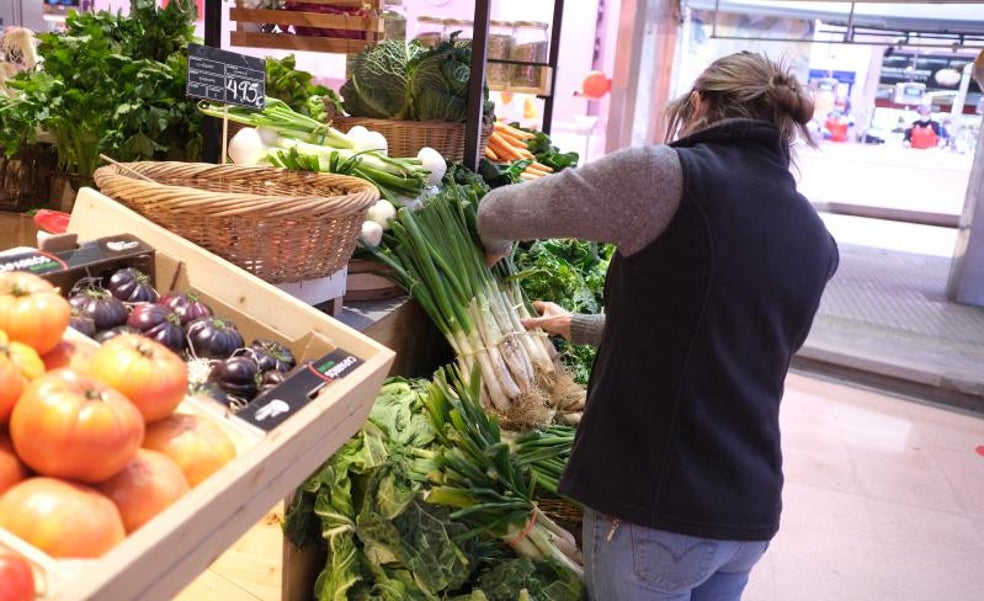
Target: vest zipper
(611, 533)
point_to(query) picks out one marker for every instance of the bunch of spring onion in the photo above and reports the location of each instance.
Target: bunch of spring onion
(544, 452)
(282, 137)
(481, 478)
(436, 258)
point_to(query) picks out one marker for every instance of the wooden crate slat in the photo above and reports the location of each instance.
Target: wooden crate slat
(308, 19)
(299, 42)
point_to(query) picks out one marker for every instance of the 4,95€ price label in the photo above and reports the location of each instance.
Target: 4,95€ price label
(223, 76)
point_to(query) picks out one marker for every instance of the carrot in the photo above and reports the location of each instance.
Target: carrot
(541, 167)
(513, 131)
(491, 155)
(502, 148)
(528, 177)
(535, 171)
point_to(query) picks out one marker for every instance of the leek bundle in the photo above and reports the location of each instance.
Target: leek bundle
(438, 260)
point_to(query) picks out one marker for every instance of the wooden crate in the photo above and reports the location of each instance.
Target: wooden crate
(249, 20)
(160, 559)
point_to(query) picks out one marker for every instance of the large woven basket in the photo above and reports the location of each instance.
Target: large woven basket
(283, 226)
(406, 138)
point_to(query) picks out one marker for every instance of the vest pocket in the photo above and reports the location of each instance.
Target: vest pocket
(670, 562)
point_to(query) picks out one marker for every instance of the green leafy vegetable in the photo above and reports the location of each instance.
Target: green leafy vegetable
(403, 80)
(378, 81)
(295, 87)
(109, 84)
(546, 153)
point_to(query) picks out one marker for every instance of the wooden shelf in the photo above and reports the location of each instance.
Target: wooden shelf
(286, 41)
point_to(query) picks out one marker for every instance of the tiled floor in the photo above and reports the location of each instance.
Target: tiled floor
(884, 500)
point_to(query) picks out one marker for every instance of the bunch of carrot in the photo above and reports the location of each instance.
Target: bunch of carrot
(508, 144)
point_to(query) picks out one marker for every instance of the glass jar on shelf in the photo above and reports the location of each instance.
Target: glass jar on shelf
(394, 20)
(499, 47)
(531, 45)
(464, 28)
(430, 30)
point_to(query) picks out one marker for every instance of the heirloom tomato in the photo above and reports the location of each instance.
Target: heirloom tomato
(61, 518)
(12, 469)
(16, 578)
(32, 311)
(145, 487)
(196, 444)
(146, 372)
(72, 426)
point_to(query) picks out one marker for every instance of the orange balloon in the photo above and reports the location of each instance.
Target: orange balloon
(595, 85)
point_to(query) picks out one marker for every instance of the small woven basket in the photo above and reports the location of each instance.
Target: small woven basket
(282, 226)
(406, 138)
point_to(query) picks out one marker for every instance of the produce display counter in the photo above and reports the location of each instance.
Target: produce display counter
(160, 559)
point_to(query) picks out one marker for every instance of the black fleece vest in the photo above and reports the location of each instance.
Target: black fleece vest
(681, 429)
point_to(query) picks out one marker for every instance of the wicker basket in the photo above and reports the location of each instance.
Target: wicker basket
(283, 226)
(406, 138)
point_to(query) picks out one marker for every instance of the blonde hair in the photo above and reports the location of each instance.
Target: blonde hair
(744, 85)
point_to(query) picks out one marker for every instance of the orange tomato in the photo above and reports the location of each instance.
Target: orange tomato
(12, 383)
(152, 376)
(68, 353)
(72, 426)
(23, 356)
(32, 311)
(145, 487)
(61, 518)
(16, 577)
(12, 469)
(196, 444)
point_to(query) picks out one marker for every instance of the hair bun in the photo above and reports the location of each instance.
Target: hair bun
(787, 94)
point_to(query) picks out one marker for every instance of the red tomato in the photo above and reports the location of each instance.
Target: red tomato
(146, 372)
(145, 487)
(32, 311)
(12, 469)
(196, 444)
(16, 578)
(61, 518)
(69, 425)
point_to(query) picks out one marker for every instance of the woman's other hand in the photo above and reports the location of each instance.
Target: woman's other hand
(553, 319)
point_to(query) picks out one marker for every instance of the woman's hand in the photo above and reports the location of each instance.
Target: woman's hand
(553, 319)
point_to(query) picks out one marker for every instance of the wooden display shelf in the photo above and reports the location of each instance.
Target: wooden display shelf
(248, 21)
(160, 559)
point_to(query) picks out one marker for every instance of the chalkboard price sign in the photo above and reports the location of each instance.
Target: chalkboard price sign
(223, 76)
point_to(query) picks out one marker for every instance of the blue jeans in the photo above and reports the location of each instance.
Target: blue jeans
(626, 562)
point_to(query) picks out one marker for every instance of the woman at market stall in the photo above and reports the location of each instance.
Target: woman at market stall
(718, 273)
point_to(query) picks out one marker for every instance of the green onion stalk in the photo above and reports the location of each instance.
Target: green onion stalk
(292, 140)
(544, 451)
(483, 480)
(437, 260)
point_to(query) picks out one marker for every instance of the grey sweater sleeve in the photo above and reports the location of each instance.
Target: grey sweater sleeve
(587, 329)
(626, 198)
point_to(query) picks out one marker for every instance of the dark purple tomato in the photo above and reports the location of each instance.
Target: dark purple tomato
(158, 323)
(213, 338)
(187, 305)
(111, 333)
(105, 310)
(82, 323)
(238, 376)
(271, 379)
(270, 354)
(131, 285)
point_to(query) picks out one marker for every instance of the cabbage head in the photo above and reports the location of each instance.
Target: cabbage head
(439, 85)
(378, 80)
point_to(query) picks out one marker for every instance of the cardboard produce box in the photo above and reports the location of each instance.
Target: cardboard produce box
(158, 560)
